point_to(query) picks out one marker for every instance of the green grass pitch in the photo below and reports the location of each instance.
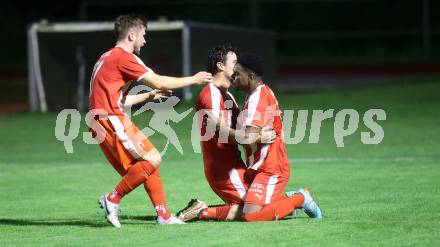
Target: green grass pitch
(371, 195)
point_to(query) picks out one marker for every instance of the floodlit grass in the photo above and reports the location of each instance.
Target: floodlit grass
(386, 194)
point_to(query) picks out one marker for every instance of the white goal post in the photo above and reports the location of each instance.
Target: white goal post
(60, 55)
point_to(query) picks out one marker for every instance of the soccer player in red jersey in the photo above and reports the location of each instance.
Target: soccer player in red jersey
(130, 153)
(267, 166)
(224, 168)
(268, 169)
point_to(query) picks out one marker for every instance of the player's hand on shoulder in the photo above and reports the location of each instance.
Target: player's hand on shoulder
(202, 77)
(268, 135)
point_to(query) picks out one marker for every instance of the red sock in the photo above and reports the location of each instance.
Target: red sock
(154, 188)
(161, 210)
(276, 210)
(136, 175)
(215, 213)
(114, 197)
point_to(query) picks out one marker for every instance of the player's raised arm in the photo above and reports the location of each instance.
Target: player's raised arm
(130, 100)
(162, 82)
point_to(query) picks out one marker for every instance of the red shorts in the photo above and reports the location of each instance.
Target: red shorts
(264, 187)
(231, 190)
(124, 143)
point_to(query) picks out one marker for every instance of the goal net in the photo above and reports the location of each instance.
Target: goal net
(61, 55)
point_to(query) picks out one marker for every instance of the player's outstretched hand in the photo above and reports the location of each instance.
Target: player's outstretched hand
(162, 94)
(202, 77)
(268, 135)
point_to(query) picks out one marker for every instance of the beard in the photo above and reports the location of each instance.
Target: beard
(137, 51)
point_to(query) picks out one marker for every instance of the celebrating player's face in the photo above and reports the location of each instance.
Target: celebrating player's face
(231, 60)
(240, 78)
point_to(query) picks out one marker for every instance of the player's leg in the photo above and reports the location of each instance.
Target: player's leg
(130, 149)
(275, 210)
(265, 200)
(310, 207)
(154, 188)
(227, 212)
(123, 153)
(153, 185)
(231, 189)
(111, 210)
(197, 209)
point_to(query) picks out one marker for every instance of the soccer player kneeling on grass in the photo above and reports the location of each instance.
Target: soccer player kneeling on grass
(127, 149)
(267, 164)
(224, 169)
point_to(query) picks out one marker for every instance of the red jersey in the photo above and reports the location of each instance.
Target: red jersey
(219, 156)
(260, 110)
(113, 70)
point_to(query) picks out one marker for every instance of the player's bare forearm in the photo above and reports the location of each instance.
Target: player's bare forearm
(252, 135)
(246, 137)
(170, 83)
(138, 98)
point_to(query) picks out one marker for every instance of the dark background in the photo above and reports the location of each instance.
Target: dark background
(312, 36)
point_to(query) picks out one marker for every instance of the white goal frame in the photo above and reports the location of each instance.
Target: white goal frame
(37, 95)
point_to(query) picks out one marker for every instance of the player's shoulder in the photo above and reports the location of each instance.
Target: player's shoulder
(262, 96)
(256, 95)
(267, 92)
(266, 89)
(210, 90)
(210, 95)
(121, 53)
(205, 94)
(206, 90)
(117, 50)
(108, 54)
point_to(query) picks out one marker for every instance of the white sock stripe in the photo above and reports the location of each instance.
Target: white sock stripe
(128, 144)
(271, 187)
(236, 181)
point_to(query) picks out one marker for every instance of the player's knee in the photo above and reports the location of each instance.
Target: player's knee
(154, 158)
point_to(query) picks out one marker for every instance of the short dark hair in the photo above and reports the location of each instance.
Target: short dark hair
(124, 23)
(252, 62)
(218, 54)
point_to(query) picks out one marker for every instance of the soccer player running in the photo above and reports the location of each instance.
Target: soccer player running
(224, 168)
(127, 149)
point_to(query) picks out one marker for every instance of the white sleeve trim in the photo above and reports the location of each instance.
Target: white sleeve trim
(144, 74)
